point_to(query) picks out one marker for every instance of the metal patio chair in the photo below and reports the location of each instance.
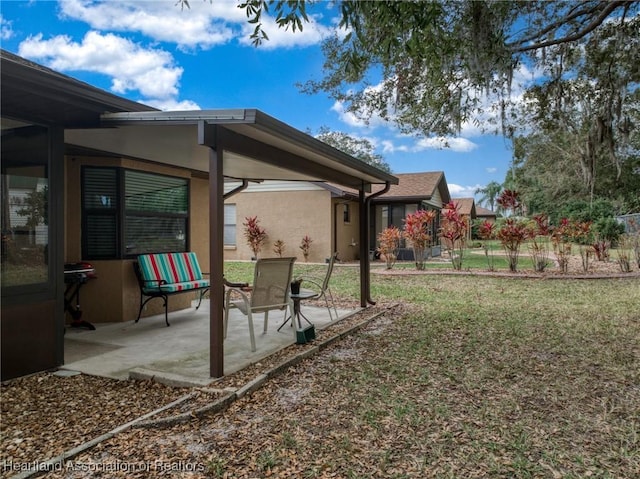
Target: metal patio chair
(321, 288)
(269, 291)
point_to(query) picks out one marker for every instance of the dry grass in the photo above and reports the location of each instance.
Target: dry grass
(470, 377)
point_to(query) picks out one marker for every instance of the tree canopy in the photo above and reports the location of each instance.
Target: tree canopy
(560, 78)
(430, 66)
(360, 148)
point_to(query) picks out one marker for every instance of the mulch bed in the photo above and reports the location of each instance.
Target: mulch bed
(44, 415)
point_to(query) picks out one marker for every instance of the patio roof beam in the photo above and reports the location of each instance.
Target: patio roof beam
(265, 130)
(219, 137)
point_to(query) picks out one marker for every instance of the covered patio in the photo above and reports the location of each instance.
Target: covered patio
(234, 147)
(179, 355)
(82, 128)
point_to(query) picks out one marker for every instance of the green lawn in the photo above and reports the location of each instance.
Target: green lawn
(467, 377)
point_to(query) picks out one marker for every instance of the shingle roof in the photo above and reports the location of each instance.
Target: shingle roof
(419, 185)
(480, 211)
(466, 206)
(413, 186)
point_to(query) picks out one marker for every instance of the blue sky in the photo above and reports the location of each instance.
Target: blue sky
(201, 58)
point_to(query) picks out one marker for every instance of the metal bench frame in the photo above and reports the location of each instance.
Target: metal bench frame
(149, 295)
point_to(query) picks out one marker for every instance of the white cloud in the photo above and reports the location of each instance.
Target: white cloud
(312, 33)
(457, 144)
(171, 104)
(346, 116)
(150, 71)
(203, 25)
(365, 118)
(389, 147)
(458, 191)
(6, 29)
(491, 169)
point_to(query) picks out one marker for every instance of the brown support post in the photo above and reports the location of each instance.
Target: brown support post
(364, 249)
(207, 135)
(365, 262)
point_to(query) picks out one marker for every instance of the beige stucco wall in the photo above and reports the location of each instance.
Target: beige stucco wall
(288, 216)
(347, 234)
(199, 220)
(115, 296)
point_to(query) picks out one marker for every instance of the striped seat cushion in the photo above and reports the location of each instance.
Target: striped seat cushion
(179, 271)
(185, 286)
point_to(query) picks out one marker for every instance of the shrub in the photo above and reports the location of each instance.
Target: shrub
(624, 253)
(389, 239)
(254, 234)
(561, 238)
(583, 237)
(305, 246)
(509, 200)
(584, 211)
(416, 230)
(539, 243)
(486, 231)
(512, 233)
(454, 230)
(608, 229)
(278, 248)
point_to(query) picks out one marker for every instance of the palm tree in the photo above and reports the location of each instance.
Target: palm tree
(489, 194)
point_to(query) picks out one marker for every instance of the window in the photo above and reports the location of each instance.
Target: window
(230, 225)
(100, 206)
(129, 212)
(346, 213)
(25, 206)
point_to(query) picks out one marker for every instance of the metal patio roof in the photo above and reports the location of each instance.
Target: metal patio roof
(255, 146)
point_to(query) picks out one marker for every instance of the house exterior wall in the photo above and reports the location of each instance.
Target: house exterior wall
(114, 296)
(347, 242)
(287, 212)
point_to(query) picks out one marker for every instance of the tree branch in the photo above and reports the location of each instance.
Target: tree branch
(606, 11)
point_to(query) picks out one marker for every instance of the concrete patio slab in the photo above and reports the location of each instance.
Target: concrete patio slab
(179, 354)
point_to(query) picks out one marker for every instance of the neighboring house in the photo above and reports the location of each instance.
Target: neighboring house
(468, 210)
(329, 214)
(485, 214)
(100, 178)
(414, 191)
(288, 211)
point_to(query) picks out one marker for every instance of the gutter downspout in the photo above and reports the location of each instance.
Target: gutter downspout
(236, 190)
(365, 262)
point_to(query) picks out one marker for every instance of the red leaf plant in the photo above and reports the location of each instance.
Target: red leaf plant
(509, 200)
(254, 234)
(454, 231)
(278, 248)
(417, 231)
(562, 237)
(512, 234)
(539, 246)
(582, 236)
(487, 231)
(305, 246)
(389, 240)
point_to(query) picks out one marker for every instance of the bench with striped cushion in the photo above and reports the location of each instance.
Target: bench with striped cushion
(163, 274)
